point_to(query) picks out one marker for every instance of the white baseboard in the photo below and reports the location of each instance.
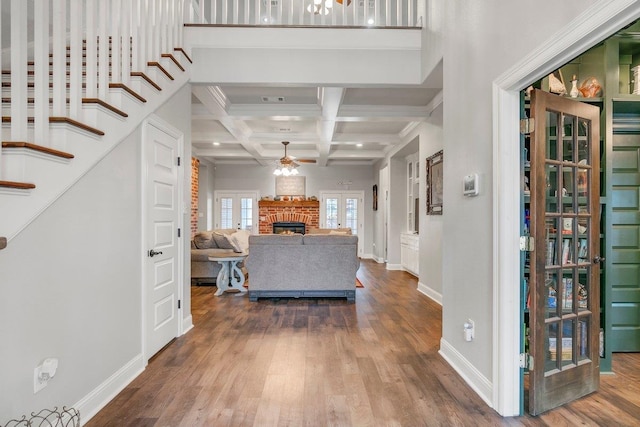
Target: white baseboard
(478, 382)
(424, 289)
(394, 266)
(99, 397)
(378, 259)
(187, 324)
(367, 256)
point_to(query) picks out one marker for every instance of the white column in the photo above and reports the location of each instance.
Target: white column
(41, 72)
(76, 14)
(18, 70)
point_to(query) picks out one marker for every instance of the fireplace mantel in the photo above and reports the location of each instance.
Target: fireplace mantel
(284, 204)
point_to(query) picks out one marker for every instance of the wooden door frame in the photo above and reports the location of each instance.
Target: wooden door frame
(595, 24)
(165, 127)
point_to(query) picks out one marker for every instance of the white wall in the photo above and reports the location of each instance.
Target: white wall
(71, 288)
(206, 186)
(481, 41)
(430, 281)
(70, 284)
(249, 177)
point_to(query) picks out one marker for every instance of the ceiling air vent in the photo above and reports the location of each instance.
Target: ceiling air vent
(273, 99)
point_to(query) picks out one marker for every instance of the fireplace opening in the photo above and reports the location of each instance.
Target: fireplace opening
(288, 227)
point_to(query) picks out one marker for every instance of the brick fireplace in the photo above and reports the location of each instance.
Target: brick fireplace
(306, 211)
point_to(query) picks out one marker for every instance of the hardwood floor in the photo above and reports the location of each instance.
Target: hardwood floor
(295, 362)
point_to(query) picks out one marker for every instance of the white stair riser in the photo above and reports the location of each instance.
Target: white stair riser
(24, 165)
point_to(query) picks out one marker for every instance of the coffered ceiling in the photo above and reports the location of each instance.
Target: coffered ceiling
(238, 124)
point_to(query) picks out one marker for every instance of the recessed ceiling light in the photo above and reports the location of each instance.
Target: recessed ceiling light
(358, 145)
(370, 21)
(216, 143)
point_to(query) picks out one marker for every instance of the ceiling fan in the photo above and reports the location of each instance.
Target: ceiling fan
(287, 165)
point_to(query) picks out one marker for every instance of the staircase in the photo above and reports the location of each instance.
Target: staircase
(72, 94)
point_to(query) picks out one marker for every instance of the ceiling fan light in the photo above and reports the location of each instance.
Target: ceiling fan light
(328, 4)
(277, 172)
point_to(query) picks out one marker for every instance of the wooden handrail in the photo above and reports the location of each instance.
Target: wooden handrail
(40, 148)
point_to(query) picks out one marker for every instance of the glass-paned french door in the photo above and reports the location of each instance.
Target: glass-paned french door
(236, 210)
(565, 264)
(342, 210)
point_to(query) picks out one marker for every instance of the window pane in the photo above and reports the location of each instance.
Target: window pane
(246, 213)
(332, 213)
(226, 212)
(351, 212)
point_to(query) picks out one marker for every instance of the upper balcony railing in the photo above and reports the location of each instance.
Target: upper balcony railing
(308, 13)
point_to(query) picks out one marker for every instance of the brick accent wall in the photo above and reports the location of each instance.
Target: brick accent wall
(306, 211)
(195, 179)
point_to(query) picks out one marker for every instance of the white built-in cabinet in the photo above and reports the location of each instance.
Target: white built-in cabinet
(409, 252)
(409, 242)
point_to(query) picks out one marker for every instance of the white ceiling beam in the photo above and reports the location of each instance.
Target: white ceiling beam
(216, 102)
(329, 99)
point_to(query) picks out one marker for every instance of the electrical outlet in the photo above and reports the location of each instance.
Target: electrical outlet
(469, 330)
(38, 384)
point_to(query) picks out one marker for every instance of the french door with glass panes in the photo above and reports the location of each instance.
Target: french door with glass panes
(237, 210)
(564, 269)
(342, 210)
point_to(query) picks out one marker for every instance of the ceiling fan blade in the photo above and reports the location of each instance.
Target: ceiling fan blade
(305, 160)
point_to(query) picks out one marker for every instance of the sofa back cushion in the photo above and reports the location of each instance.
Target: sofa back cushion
(313, 230)
(204, 240)
(275, 239)
(329, 239)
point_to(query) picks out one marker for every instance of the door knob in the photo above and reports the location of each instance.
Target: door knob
(152, 253)
(598, 259)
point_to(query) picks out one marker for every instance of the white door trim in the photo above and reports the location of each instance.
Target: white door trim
(359, 194)
(255, 194)
(592, 26)
(165, 127)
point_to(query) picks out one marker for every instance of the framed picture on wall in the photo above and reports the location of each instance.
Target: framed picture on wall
(375, 197)
(435, 183)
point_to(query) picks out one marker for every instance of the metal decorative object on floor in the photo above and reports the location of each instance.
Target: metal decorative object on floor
(66, 417)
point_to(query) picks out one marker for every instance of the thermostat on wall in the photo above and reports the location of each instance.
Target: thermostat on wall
(470, 185)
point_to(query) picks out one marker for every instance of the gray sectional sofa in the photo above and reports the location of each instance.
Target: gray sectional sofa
(310, 265)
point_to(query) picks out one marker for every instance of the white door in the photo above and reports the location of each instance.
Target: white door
(237, 210)
(162, 218)
(343, 210)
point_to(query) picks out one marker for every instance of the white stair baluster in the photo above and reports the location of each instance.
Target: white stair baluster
(116, 42)
(126, 43)
(59, 50)
(91, 50)
(41, 72)
(76, 14)
(18, 70)
(103, 49)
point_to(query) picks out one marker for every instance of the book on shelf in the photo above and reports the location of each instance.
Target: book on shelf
(567, 293)
(566, 251)
(551, 251)
(582, 251)
(567, 348)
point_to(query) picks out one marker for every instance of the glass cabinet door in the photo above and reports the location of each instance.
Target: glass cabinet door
(565, 266)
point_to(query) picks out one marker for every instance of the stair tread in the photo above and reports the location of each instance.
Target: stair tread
(35, 147)
(18, 185)
(57, 119)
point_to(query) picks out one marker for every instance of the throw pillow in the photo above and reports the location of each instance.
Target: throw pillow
(242, 239)
(233, 242)
(222, 241)
(204, 240)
